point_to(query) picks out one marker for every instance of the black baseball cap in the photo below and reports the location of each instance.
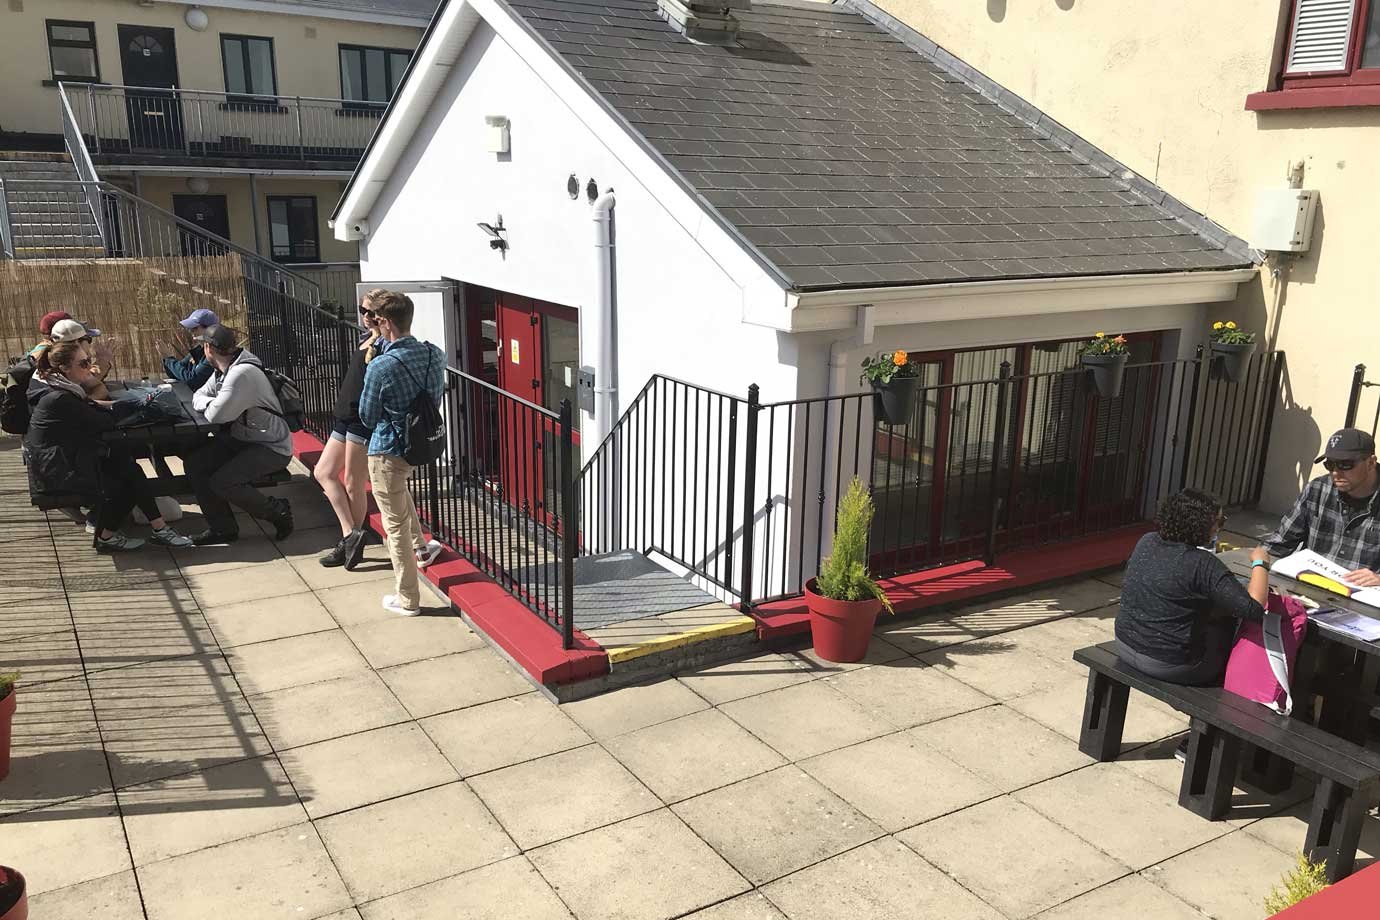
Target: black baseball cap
(221, 338)
(1348, 444)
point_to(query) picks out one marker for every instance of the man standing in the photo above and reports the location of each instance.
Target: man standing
(256, 443)
(391, 384)
(1338, 514)
(193, 370)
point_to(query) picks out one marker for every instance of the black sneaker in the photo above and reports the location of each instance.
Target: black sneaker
(354, 548)
(281, 518)
(336, 557)
(213, 538)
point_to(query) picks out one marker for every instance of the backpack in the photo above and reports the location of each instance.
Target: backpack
(1263, 657)
(289, 397)
(14, 401)
(424, 430)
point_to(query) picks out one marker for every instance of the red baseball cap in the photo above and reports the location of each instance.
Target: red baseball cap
(45, 325)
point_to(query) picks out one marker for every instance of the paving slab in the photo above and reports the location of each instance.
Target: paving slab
(1285, 832)
(691, 755)
(113, 897)
(33, 612)
(1227, 878)
(273, 581)
(507, 889)
(360, 769)
(879, 651)
(1060, 708)
(260, 621)
(675, 870)
(1012, 857)
(352, 605)
(908, 692)
(66, 844)
(330, 709)
(1151, 903)
(401, 843)
(44, 657)
(631, 708)
(281, 663)
(1004, 747)
(454, 682)
(251, 549)
(998, 667)
(56, 751)
(285, 873)
(750, 906)
(881, 880)
(770, 825)
(399, 640)
(806, 719)
(748, 677)
(504, 732)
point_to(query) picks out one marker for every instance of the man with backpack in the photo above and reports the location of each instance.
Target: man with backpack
(403, 388)
(257, 441)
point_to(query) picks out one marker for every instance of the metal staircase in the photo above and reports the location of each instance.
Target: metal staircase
(48, 217)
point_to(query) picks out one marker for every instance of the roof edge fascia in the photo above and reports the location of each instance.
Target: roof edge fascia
(294, 9)
(1042, 123)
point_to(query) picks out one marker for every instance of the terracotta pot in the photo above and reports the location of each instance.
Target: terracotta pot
(1231, 361)
(841, 630)
(6, 720)
(12, 906)
(1107, 372)
(896, 400)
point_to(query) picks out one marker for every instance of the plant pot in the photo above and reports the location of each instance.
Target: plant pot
(14, 895)
(1230, 362)
(896, 400)
(6, 720)
(1107, 372)
(841, 630)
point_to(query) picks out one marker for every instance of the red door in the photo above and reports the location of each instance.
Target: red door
(520, 427)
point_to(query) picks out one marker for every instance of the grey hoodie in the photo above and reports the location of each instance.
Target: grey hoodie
(243, 398)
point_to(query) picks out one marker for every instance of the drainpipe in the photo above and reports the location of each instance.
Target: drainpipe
(601, 327)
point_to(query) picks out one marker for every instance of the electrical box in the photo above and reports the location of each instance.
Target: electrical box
(496, 134)
(585, 391)
(1284, 219)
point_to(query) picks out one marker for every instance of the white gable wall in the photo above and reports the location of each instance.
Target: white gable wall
(680, 297)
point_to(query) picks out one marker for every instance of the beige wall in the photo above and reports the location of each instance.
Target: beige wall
(1162, 87)
(160, 191)
(304, 49)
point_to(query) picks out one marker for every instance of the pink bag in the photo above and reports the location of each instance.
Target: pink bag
(1264, 654)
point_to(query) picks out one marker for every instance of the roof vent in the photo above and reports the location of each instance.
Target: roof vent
(710, 21)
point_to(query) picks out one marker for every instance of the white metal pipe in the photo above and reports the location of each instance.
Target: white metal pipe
(601, 326)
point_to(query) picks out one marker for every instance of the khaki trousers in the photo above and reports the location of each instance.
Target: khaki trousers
(402, 531)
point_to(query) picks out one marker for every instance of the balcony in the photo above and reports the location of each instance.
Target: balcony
(131, 125)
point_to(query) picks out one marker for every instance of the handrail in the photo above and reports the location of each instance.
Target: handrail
(81, 160)
(6, 233)
(247, 98)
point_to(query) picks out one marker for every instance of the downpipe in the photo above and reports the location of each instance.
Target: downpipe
(601, 331)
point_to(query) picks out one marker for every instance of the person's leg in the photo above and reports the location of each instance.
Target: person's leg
(117, 501)
(327, 475)
(233, 479)
(389, 478)
(200, 465)
(357, 480)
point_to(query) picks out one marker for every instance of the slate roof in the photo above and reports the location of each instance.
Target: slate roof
(850, 158)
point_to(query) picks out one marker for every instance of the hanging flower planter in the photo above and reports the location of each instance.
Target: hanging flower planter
(1105, 358)
(895, 381)
(1231, 351)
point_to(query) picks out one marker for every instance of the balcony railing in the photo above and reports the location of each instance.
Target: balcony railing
(336, 280)
(134, 121)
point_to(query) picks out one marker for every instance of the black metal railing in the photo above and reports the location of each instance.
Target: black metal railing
(1359, 384)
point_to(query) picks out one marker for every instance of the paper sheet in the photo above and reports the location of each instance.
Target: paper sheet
(1307, 566)
(1365, 628)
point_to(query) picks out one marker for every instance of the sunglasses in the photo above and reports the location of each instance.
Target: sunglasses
(84, 364)
(1335, 466)
(366, 313)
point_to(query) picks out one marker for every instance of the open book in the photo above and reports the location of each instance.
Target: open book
(1307, 566)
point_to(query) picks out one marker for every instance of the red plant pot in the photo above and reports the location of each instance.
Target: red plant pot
(841, 630)
(14, 898)
(6, 719)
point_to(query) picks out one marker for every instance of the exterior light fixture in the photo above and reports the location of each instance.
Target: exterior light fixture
(572, 187)
(197, 20)
(592, 190)
(198, 185)
(495, 232)
(496, 134)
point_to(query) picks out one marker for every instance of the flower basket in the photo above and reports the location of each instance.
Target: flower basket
(1107, 372)
(1231, 361)
(895, 401)
(14, 899)
(840, 630)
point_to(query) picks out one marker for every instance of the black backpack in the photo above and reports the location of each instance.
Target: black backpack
(289, 397)
(424, 430)
(14, 401)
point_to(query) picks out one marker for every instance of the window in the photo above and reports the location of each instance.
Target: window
(292, 229)
(248, 66)
(1333, 42)
(72, 51)
(370, 76)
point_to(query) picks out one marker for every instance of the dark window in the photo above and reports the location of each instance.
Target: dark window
(248, 66)
(371, 75)
(292, 228)
(72, 51)
(1332, 43)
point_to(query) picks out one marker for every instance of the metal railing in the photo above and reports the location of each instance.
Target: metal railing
(1359, 384)
(335, 280)
(81, 160)
(199, 124)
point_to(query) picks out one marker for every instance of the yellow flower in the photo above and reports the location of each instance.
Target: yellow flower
(1231, 325)
(1101, 335)
(1216, 326)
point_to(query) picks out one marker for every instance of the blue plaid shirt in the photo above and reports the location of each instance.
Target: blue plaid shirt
(391, 382)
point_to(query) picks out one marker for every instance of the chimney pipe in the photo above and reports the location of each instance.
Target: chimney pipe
(708, 21)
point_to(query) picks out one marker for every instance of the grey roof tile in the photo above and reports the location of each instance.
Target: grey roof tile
(851, 151)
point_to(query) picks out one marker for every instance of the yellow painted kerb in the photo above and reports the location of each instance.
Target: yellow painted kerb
(731, 627)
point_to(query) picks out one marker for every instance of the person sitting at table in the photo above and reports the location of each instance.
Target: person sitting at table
(256, 443)
(102, 354)
(1338, 513)
(45, 331)
(193, 369)
(1180, 604)
(67, 457)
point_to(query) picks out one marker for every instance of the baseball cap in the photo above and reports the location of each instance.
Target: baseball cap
(221, 338)
(45, 325)
(69, 330)
(200, 318)
(1348, 444)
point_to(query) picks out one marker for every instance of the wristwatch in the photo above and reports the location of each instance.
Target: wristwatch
(1257, 563)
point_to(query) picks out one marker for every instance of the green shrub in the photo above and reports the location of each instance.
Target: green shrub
(843, 576)
(1305, 879)
(7, 681)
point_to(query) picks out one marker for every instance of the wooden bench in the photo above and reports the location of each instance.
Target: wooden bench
(1222, 723)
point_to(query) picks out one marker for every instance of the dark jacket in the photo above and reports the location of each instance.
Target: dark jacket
(351, 386)
(65, 450)
(193, 370)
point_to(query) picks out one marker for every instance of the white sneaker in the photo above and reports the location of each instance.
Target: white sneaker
(392, 603)
(426, 555)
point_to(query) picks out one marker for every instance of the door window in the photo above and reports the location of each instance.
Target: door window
(560, 362)
(292, 228)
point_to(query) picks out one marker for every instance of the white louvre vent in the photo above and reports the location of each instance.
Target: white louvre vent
(1321, 36)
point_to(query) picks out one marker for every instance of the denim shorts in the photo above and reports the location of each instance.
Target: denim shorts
(352, 431)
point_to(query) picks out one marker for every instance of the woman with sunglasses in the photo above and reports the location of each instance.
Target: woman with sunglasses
(68, 459)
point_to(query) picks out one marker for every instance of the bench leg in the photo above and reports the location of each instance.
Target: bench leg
(1334, 827)
(1209, 771)
(1266, 772)
(1104, 717)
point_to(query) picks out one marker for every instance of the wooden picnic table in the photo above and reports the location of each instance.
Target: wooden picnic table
(156, 441)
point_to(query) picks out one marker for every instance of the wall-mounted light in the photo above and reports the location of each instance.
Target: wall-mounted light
(592, 190)
(496, 133)
(495, 232)
(198, 185)
(197, 20)
(572, 187)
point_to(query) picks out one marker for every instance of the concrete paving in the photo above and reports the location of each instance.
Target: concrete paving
(241, 730)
